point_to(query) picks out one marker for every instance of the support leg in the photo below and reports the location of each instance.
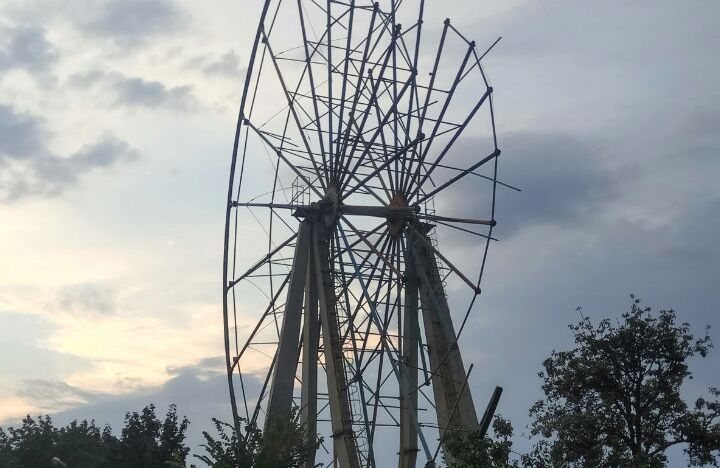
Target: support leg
(340, 414)
(409, 368)
(445, 360)
(311, 339)
(283, 379)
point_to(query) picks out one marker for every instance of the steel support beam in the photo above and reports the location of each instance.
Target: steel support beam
(311, 340)
(446, 365)
(283, 379)
(345, 449)
(409, 366)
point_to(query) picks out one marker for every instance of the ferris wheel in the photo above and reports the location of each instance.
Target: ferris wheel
(361, 204)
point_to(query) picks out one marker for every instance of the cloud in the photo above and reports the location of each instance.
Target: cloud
(26, 48)
(131, 22)
(136, 92)
(199, 393)
(22, 344)
(125, 23)
(30, 169)
(633, 40)
(204, 369)
(561, 181)
(228, 64)
(139, 92)
(560, 178)
(87, 299)
(52, 395)
(21, 135)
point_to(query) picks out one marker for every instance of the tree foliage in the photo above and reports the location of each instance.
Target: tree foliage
(145, 442)
(615, 399)
(471, 449)
(244, 444)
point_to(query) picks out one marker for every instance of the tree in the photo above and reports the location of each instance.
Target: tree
(145, 443)
(471, 449)
(83, 444)
(32, 443)
(615, 401)
(246, 445)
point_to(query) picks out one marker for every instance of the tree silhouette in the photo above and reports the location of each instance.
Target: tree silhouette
(145, 442)
(615, 401)
(471, 449)
(244, 444)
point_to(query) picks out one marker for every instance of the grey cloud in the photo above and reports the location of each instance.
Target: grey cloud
(228, 64)
(21, 135)
(87, 79)
(619, 31)
(136, 92)
(31, 169)
(26, 48)
(130, 22)
(87, 299)
(204, 369)
(52, 395)
(560, 179)
(103, 153)
(126, 23)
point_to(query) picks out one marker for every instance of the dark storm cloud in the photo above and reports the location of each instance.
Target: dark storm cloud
(30, 168)
(26, 48)
(87, 299)
(128, 91)
(558, 174)
(560, 179)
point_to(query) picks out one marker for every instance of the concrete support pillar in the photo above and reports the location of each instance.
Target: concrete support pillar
(311, 340)
(283, 378)
(409, 368)
(345, 448)
(454, 406)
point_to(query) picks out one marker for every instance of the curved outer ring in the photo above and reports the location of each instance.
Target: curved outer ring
(228, 211)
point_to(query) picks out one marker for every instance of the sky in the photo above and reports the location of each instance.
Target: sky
(116, 130)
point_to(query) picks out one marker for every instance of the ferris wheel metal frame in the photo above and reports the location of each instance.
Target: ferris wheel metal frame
(344, 153)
